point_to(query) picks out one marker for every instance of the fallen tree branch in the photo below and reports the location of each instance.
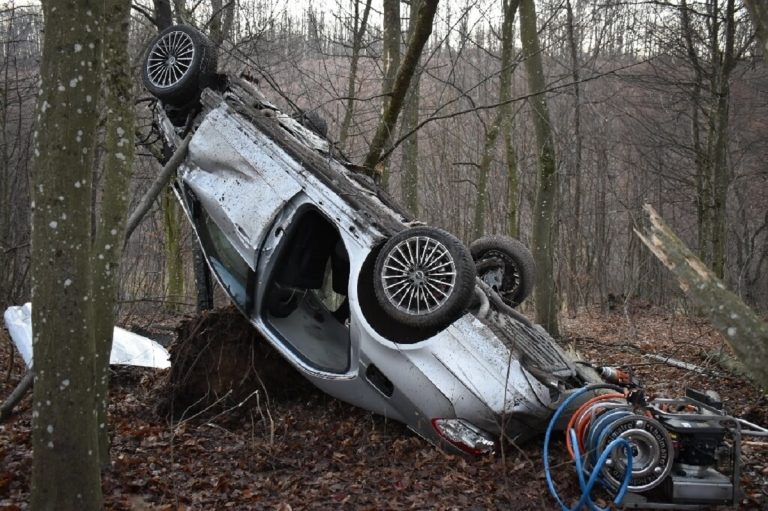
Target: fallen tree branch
(157, 186)
(746, 334)
(682, 365)
(18, 393)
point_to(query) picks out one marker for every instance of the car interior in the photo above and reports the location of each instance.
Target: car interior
(306, 301)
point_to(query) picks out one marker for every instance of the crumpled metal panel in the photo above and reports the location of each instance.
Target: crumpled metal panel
(242, 180)
(372, 207)
(304, 135)
(483, 364)
(467, 366)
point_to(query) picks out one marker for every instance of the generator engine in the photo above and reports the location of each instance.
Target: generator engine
(656, 454)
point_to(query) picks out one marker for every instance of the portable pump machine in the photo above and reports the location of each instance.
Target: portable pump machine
(651, 454)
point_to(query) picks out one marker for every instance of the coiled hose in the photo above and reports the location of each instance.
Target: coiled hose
(586, 485)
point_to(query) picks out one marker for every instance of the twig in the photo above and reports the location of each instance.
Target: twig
(144, 13)
(460, 181)
(493, 106)
(18, 393)
(12, 358)
(238, 405)
(185, 420)
(17, 247)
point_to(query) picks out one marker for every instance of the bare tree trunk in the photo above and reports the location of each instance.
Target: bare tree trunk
(174, 265)
(416, 43)
(358, 32)
(544, 225)
(500, 121)
(600, 244)
(180, 10)
(505, 95)
(174, 268)
(758, 11)
(513, 181)
(65, 469)
(410, 183)
(391, 59)
(115, 185)
(215, 35)
(489, 148)
(703, 182)
(163, 14)
(747, 335)
(721, 175)
(575, 236)
(220, 24)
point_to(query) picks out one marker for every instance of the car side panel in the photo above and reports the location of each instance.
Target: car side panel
(242, 181)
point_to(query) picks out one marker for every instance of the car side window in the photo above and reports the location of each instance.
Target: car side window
(224, 259)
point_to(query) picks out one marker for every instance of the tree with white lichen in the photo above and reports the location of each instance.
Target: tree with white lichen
(544, 212)
(75, 248)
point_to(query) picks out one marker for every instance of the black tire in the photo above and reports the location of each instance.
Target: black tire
(506, 265)
(424, 278)
(179, 63)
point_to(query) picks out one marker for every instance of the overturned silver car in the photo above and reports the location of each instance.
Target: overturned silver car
(371, 306)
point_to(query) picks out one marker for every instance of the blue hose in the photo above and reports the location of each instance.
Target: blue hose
(586, 486)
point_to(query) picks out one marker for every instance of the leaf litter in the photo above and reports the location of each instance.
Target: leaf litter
(182, 441)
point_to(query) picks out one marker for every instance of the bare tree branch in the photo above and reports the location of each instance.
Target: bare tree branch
(18, 393)
(157, 186)
(405, 72)
(144, 13)
(492, 106)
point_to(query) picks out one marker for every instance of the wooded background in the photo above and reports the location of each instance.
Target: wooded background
(659, 102)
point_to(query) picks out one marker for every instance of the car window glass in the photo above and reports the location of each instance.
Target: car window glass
(229, 266)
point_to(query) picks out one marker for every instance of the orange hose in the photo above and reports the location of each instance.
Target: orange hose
(582, 424)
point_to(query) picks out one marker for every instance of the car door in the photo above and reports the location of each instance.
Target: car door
(239, 177)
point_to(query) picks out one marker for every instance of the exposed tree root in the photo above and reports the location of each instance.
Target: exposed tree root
(219, 360)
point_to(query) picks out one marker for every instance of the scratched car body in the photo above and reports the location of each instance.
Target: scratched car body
(372, 307)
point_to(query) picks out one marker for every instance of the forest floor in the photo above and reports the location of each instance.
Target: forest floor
(310, 451)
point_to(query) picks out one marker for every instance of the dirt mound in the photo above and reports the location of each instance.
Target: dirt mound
(220, 361)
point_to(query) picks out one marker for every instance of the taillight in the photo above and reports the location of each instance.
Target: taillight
(465, 436)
